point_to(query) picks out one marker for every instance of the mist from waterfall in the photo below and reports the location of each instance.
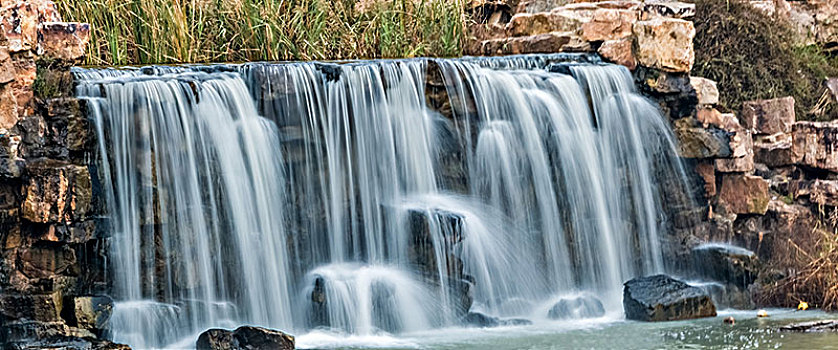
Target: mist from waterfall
(378, 197)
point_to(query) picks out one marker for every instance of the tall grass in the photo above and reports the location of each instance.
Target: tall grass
(179, 31)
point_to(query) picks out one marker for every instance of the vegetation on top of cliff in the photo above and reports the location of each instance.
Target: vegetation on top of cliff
(198, 31)
(755, 56)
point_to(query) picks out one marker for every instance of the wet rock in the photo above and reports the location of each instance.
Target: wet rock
(245, 338)
(57, 192)
(665, 44)
(45, 260)
(662, 298)
(812, 327)
(577, 307)
(67, 343)
(609, 24)
(707, 172)
(706, 89)
(90, 312)
(728, 264)
(476, 319)
(768, 117)
(659, 82)
(34, 307)
(697, 142)
(619, 52)
(814, 145)
(744, 194)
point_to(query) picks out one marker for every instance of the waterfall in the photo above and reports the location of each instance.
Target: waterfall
(380, 196)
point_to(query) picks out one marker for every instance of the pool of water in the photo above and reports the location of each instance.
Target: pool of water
(749, 332)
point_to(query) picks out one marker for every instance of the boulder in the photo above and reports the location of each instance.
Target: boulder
(19, 21)
(244, 338)
(706, 89)
(812, 327)
(662, 298)
(665, 44)
(619, 52)
(823, 192)
(744, 194)
(768, 117)
(710, 116)
(609, 24)
(725, 263)
(814, 145)
(585, 306)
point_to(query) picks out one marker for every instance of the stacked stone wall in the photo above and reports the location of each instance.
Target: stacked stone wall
(53, 251)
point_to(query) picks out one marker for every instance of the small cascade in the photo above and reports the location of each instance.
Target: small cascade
(376, 197)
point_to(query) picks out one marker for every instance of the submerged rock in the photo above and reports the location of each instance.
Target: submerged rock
(246, 337)
(477, 319)
(815, 326)
(663, 298)
(584, 306)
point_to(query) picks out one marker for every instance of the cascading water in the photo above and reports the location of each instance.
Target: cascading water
(368, 197)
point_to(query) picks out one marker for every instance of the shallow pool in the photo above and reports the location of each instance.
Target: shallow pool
(749, 332)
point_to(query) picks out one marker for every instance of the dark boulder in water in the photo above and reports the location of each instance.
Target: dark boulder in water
(726, 264)
(663, 298)
(246, 337)
(583, 306)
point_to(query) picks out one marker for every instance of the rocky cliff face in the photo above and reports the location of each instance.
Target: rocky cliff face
(52, 251)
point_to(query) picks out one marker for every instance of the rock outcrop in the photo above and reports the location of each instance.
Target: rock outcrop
(662, 298)
(52, 254)
(245, 338)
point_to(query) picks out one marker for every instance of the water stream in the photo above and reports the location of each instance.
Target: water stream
(375, 198)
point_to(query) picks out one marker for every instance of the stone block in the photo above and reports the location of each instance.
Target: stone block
(815, 144)
(63, 42)
(57, 192)
(744, 194)
(619, 52)
(706, 90)
(609, 24)
(768, 117)
(32, 307)
(665, 44)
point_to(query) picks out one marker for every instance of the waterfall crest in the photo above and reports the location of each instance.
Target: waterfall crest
(367, 197)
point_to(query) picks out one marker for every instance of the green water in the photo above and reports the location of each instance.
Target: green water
(749, 332)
